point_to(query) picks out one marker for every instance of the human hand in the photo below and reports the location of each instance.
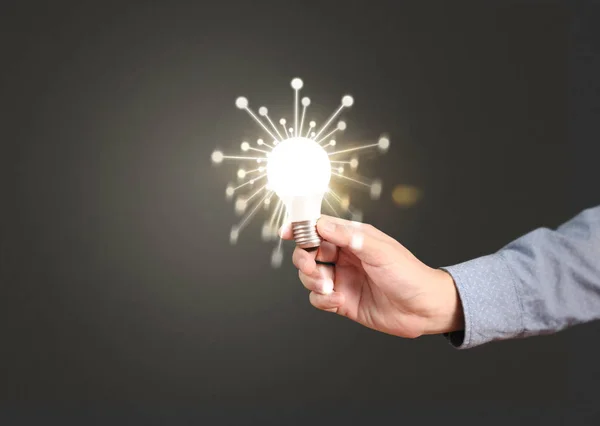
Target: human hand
(376, 282)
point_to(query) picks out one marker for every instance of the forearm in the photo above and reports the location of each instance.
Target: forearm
(541, 283)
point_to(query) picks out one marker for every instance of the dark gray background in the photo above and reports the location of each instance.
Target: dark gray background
(121, 296)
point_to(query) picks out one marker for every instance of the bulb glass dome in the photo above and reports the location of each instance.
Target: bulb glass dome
(298, 167)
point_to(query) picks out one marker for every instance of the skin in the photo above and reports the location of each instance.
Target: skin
(376, 281)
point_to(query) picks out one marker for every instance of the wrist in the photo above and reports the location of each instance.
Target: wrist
(447, 313)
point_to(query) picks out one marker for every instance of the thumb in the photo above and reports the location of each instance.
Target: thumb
(357, 238)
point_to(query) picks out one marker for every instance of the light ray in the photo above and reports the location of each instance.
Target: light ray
(347, 102)
(241, 173)
(280, 215)
(335, 195)
(352, 179)
(345, 206)
(257, 150)
(296, 113)
(305, 104)
(331, 207)
(260, 169)
(258, 191)
(230, 191)
(341, 126)
(242, 103)
(311, 125)
(237, 157)
(296, 85)
(265, 113)
(354, 149)
(251, 181)
(260, 142)
(275, 214)
(277, 255)
(327, 135)
(282, 122)
(251, 213)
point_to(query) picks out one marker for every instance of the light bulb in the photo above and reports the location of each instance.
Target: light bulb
(298, 171)
(298, 159)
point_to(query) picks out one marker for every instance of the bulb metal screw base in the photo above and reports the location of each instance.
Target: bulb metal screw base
(305, 234)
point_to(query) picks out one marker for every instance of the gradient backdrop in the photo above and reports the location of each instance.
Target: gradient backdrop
(122, 300)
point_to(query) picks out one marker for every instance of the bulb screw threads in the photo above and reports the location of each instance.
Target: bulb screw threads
(305, 234)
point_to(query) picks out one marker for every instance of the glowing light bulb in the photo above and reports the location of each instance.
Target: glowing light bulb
(298, 159)
(299, 171)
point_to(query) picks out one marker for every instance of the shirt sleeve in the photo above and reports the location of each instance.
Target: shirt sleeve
(541, 283)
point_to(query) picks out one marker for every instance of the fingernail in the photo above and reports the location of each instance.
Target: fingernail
(283, 229)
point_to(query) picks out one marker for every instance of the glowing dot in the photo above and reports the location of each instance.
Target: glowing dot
(332, 142)
(347, 101)
(277, 258)
(312, 134)
(260, 142)
(229, 192)
(340, 170)
(263, 111)
(251, 182)
(233, 235)
(241, 173)
(259, 160)
(341, 126)
(245, 146)
(282, 121)
(305, 102)
(354, 163)
(267, 201)
(261, 169)
(383, 143)
(217, 157)
(241, 102)
(297, 84)
(291, 130)
(345, 202)
(266, 232)
(240, 205)
(312, 124)
(406, 195)
(376, 190)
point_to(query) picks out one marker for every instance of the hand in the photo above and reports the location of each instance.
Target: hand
(376, 281)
